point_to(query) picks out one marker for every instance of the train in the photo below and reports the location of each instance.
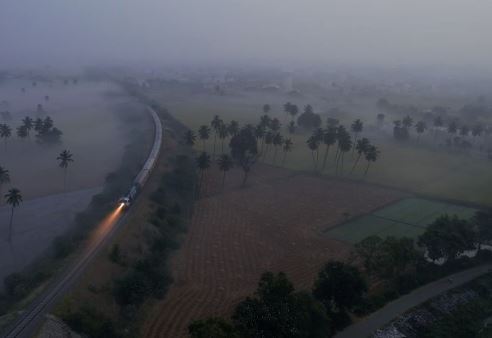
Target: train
(127, 200)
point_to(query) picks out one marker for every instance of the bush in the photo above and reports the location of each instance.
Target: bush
(91, 322)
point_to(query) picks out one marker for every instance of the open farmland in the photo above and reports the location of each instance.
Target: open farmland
(275, 224)
(408, 217)
(428, 170)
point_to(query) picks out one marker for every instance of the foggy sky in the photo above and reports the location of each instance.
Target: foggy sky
(362, 32)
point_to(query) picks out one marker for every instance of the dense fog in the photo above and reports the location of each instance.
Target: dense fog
(279, 32)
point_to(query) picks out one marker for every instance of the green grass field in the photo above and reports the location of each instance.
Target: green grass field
(408, 217)
(423, 170)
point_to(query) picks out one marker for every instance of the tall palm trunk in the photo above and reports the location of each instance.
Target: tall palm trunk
(314, 162)
(367, 168)
(317, 159)
(215, 141)
(223, 145)
(10, 225)
(223, 179)
(355, 163)
(283, 159)
(275, 155)
(341, 168)
(326, 157)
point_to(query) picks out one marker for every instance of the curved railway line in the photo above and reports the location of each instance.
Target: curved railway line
(28, 322)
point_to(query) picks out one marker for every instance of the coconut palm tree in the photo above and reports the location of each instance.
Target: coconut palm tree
(313, 144)
(266, 109)
(225, 163)
(420, 127)
(223, 133)
(204, 133)
(294, 110)
(203, 163)
(287, 148)
(356, 128)
(291, 127)
(260, 135)
(13, 198)
(287, 108)
(275, 125)
(22, 132)
(345, 146)
(190, 138)
(372, 155)
(329, 139)
(5, 133)
(277, 142)
(233, 128)
(464, 130)
(65, 158)
(216, 122)
(268, 141)
(452, 127)
(265, 121)
(362, 146)
(28, 123)
(407, 122)
(4, 177)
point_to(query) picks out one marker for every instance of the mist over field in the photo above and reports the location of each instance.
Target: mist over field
(384, 33)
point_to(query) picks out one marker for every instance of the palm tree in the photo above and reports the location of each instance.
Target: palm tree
(287, 148)
(438, 123)
(260, 134)
(362, 146)
(291, 127)
(65, 159)
(275, 125)
(329, 139)
(13, 198)
(266, 109)
(233, 128)
(372, 155)
(313, 144)
(204, 133)
(420, 127)
(345, 146)
(356, 128)
(203, 163)
(38, 124)
(28, 123)
(190, 138)
(4, 177)
(268, 141)
(5, 133)
(216, 122)
(225, 163)
(277, 142)
(22, 131)
(464, 130)
(223, 133)
(287, 108)
(407, 122)
(265, 121)
(453, 127)
(293, 111)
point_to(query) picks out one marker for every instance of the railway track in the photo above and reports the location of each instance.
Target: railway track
(28, 322)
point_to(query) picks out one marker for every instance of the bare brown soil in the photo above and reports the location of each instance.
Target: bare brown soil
(275, 223)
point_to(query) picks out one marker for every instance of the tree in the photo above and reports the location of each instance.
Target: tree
(344, 144)
(268, 141)
(447, 237)
(372, 155)
(265, 121)
(482, 221)
(225, 163)
(464, 130)
(287, 108)
(277, 142)
(294, 110)
(308, 119)
(203, 163)
(362, 148)
(339, 286)
(22, 132)
(190, 138)
(266, 109)
(223, 133)
(204, 133)
(38, 124)
(291, 127)
(216, 122)
(400, 132)
(420, 127)
(233, 128)
(452, 127)
(13, 198)
(244, 150)
(287, 148)
(28, 123)
(5, 133)
(275, 125)
(313, 144)
(65, 158)
(276, 310)
(4, 177)
(356, 128)
(212, 328)
(366, 250)
(407, 122)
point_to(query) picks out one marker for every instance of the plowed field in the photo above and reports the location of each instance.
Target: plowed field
(275, 223)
